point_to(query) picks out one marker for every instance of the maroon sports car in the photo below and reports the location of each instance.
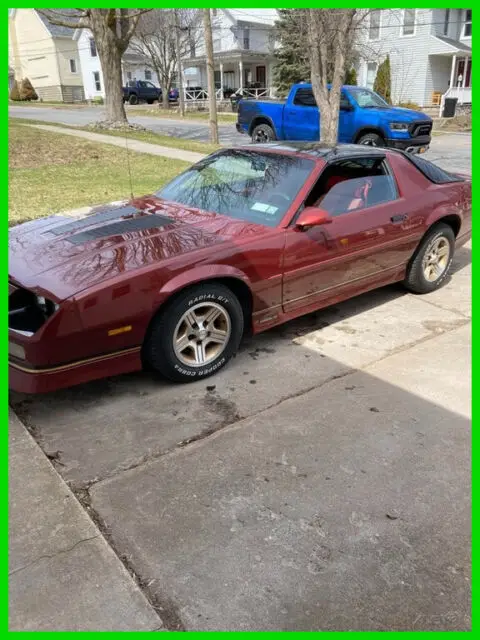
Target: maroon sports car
(244, 240)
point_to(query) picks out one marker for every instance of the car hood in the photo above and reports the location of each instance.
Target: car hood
(399, 114)
(61, 256)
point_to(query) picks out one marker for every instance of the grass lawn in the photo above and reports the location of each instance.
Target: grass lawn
(144, 136)
(173, 112)
(53, 172)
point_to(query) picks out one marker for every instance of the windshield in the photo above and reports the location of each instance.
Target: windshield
(366, 98)
(239, 183)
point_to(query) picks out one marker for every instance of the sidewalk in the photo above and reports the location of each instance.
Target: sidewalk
(133, 145)
(62, 573)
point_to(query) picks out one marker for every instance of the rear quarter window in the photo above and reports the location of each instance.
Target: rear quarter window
(432, 171)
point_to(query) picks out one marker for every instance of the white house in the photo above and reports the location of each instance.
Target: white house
(134, 66)
(430, 53)
(243, 46)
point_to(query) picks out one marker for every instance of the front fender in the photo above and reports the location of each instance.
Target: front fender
(197, 275)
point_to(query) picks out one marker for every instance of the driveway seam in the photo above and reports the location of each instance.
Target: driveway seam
(212, 431)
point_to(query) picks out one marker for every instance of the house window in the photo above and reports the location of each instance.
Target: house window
(371, 73)
(246, 38)
(96, 80)
(467, 27)
(446, 23)
(192, 48)
(129, 75)
(374, 29)
(217, 43)
(73, 65)
(408, 27)
(148, 74)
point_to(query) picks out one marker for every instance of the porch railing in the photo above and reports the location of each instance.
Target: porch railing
(202, 94)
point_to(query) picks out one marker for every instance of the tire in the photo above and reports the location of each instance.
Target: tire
(133, 99)
(263, 133)
(421, 275)
(149, 101)
(162, 354)
(371, 140)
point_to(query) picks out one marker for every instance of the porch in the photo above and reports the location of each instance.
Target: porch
(236, 72)
(450, 73)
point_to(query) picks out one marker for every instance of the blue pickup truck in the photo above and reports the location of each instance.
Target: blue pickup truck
(365, 118)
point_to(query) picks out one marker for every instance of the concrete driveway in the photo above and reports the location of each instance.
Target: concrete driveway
(451, 151)
(321, 481)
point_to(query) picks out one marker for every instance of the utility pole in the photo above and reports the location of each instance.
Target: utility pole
(212, 101)
(181, 96)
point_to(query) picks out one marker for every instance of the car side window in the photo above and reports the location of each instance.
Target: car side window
(353, 184)
(304, 98)
(344, 101)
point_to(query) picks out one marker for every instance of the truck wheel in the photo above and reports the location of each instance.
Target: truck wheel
(371, 140)
(431, 261)
(196, 335)
(149, 101)
(263, 133)
(133, 99)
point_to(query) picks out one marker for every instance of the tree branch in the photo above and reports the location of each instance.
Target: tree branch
(81, 21)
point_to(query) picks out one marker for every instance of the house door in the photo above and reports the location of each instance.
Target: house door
(261, 76)
(461, 70)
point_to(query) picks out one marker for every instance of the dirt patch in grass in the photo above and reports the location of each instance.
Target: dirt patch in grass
(54, 172)
(457, 123)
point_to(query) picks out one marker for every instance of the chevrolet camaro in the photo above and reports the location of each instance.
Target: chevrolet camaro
(244, 240)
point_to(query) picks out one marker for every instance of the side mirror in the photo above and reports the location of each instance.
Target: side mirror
(312, 217)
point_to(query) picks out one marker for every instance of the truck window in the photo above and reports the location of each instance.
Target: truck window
(304, 98)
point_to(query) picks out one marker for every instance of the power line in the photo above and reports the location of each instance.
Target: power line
(363, 27)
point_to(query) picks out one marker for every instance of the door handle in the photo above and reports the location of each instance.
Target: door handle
(399, 218)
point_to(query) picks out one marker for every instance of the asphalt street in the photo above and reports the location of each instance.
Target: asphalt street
(451, 151)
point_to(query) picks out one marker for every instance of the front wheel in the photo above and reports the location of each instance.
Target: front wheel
(431, 261)
(371, 140)
(263, 133)
(196, 335)
(133, 99)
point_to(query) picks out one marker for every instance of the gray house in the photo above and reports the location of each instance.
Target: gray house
(430, 54)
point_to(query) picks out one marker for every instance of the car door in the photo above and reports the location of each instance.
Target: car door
(346, 119)
(357, 247)
(300, 117)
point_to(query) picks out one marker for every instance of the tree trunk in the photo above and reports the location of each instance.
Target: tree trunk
(212, 101)
(178, 56)
(111, 63)
(165, 90)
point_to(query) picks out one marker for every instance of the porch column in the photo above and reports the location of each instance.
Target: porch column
(452, 73)
(221, 80)
(464, 79)
(240, 70)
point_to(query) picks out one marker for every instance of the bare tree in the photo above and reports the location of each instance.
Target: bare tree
(212, 100)
(330, 38)
(156, 38)
(112, 30)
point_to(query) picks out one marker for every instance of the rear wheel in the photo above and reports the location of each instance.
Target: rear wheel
(371, 140)
(263, 133)
(133, 99)
(149, 101)
(196, 335)
(431, 261)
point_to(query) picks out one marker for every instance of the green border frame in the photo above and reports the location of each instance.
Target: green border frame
(3, 300)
